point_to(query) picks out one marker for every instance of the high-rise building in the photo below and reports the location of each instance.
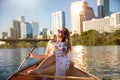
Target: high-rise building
(106, 24)
(49, 35)
(100, 25)
(35, 29)
(58, 21)
(103, 8)
(26, 30)
(44, 33)
(10, 32)
(21, 18)
(80, 12)
(16, 29)
(4, 35)
(116, 17)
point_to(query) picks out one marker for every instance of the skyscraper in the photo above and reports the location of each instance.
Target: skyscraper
(16, 29)
(58, 20)
(35, 29)
(116, 19)
(4, 35)
(106, 24)
(103, 8)
(10, 32)
(80, 12)
(26, 30)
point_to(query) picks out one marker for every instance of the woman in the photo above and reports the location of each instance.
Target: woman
(56, 60)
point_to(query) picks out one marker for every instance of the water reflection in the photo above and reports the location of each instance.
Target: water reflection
(78, 57)
(10, 59)
(103, 61)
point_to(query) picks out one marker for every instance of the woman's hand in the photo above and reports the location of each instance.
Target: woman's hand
(36, 55)
(30, 54)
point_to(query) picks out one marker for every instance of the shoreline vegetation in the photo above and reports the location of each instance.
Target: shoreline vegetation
(88, 38)
(24, 44)
(94, 38)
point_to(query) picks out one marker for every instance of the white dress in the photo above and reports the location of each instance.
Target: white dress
(62, 61)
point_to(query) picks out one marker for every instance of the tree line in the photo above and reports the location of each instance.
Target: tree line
(94, 38)
(24, 44)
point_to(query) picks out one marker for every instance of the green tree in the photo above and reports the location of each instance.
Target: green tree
(23, 44)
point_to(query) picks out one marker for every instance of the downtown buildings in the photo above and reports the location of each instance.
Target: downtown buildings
(106, 21)
(21, 29)
(106, 24)
(80, 12)
(83, 19)
(58, 21)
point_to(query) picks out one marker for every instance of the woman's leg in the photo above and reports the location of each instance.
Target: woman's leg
(45, 63)
(49, 70)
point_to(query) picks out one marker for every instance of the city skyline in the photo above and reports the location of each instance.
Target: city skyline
(80, 11)
(38, 11)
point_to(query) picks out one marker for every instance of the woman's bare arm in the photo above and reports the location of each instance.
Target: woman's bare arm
(41, 55)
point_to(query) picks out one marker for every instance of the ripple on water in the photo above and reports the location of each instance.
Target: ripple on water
(103, 62)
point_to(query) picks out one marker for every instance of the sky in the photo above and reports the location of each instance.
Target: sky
(37, 10)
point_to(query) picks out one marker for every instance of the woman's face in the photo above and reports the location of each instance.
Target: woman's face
(60, 34)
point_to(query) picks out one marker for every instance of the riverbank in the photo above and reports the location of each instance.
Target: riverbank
(24, 44)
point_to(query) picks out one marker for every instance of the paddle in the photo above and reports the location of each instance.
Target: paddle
(26, 57)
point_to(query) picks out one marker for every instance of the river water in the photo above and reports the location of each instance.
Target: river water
(102, 61)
